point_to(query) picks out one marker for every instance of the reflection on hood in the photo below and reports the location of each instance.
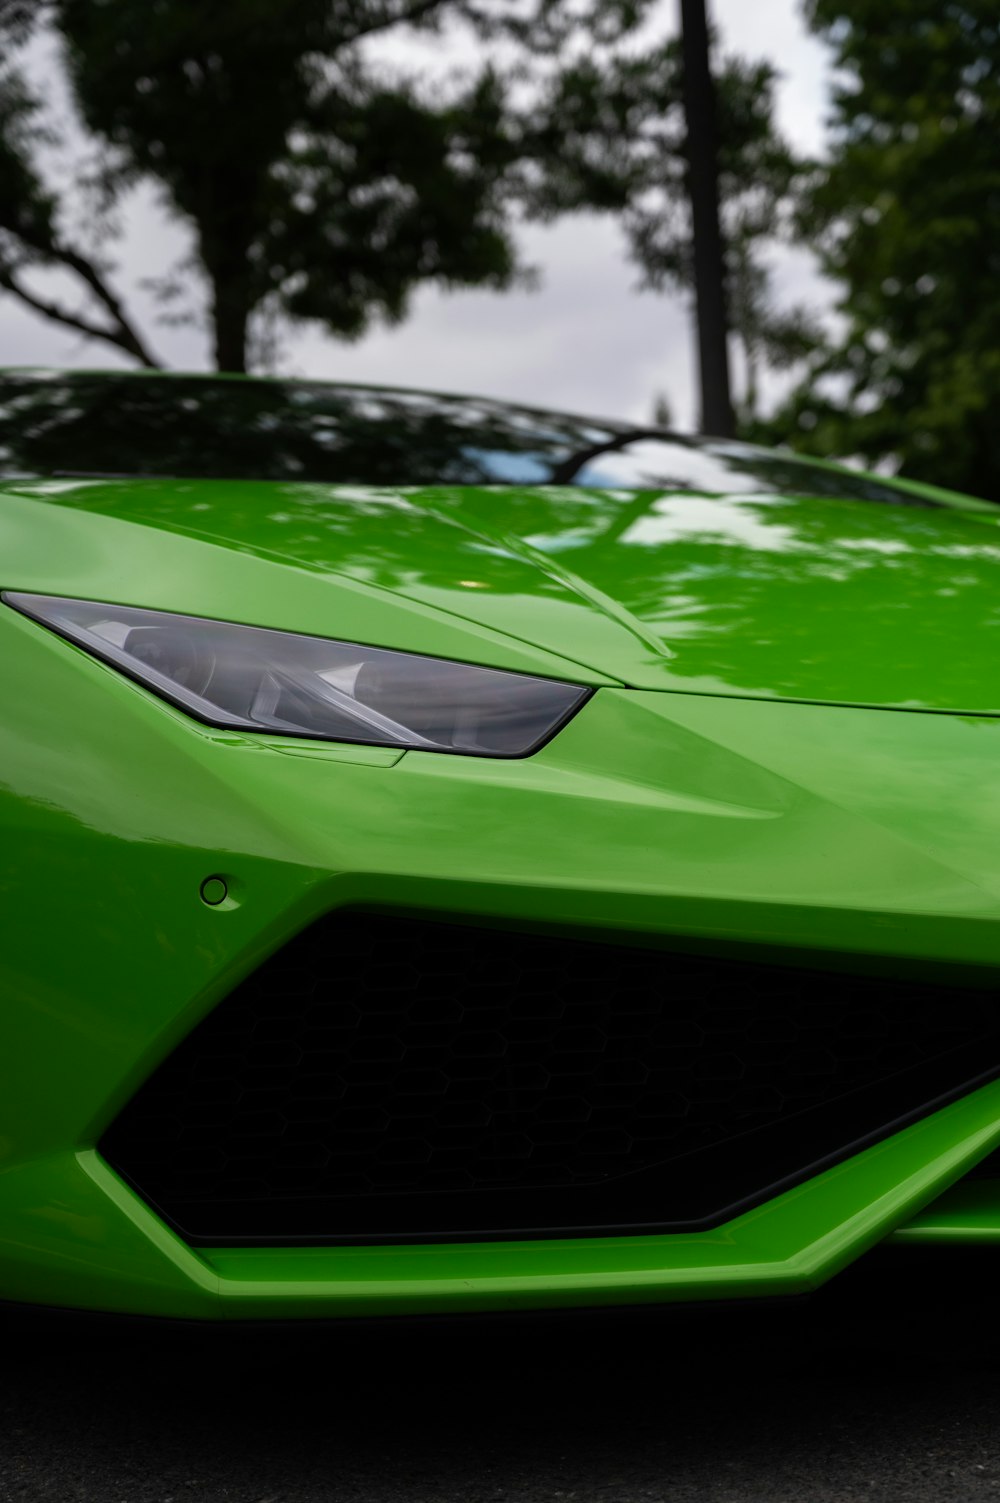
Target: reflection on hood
(118, 425)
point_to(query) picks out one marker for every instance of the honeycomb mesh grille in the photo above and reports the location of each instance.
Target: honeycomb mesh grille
(387, 1076)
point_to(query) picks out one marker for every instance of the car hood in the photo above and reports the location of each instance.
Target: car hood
(764, 596)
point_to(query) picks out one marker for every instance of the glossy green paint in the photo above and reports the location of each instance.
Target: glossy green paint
(764, 596)
(82, 1238)
(51, 544)
(721, 823)
(966, 1212)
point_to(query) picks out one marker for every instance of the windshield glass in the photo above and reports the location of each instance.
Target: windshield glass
(109, 425)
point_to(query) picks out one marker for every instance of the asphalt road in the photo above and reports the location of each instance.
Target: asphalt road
(887, 1395)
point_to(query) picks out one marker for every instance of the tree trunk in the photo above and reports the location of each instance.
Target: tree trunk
(709, 259)
(230, 317)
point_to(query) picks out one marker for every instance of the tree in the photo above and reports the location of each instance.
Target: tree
(622, 145)
(318, 181)
(322, 182)
(29, 233)
(707, 249)
(907, 218)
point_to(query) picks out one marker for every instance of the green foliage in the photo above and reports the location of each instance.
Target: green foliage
(29, 232)
(322, 182)
(319, 182)
(907, 217)
(26, 209)
(621, 145)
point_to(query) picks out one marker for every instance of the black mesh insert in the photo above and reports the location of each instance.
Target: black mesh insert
(386, 1076)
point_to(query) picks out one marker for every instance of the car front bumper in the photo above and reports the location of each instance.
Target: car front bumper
(850, 836)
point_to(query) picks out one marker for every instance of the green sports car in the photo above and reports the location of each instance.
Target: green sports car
(461, 857)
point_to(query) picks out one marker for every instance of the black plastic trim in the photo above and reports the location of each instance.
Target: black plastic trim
(714, 1183)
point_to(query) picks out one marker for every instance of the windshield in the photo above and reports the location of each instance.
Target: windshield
(108, 425)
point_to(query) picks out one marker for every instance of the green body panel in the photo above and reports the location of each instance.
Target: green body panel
(836, 601)
(967, 1212)
(864, 836)
(81, 1238)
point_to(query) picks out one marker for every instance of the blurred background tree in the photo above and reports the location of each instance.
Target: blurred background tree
(906, 216)
(318, 184)
(322, 182)
(622, 144)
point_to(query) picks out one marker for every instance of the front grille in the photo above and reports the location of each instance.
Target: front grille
(395, 1077)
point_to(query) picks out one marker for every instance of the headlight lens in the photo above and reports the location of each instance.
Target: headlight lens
(254, 679)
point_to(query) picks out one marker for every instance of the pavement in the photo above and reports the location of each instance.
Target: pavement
(879, 1389)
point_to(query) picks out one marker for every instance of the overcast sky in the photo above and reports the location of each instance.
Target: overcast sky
(587, 340)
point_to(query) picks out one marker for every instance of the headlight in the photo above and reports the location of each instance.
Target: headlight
(290, 685)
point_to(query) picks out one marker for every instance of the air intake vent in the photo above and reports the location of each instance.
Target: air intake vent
(386, 1077)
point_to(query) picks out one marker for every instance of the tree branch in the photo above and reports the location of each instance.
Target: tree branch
(128, 337)
(122, 336)
(409, 14)
(566, 471)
